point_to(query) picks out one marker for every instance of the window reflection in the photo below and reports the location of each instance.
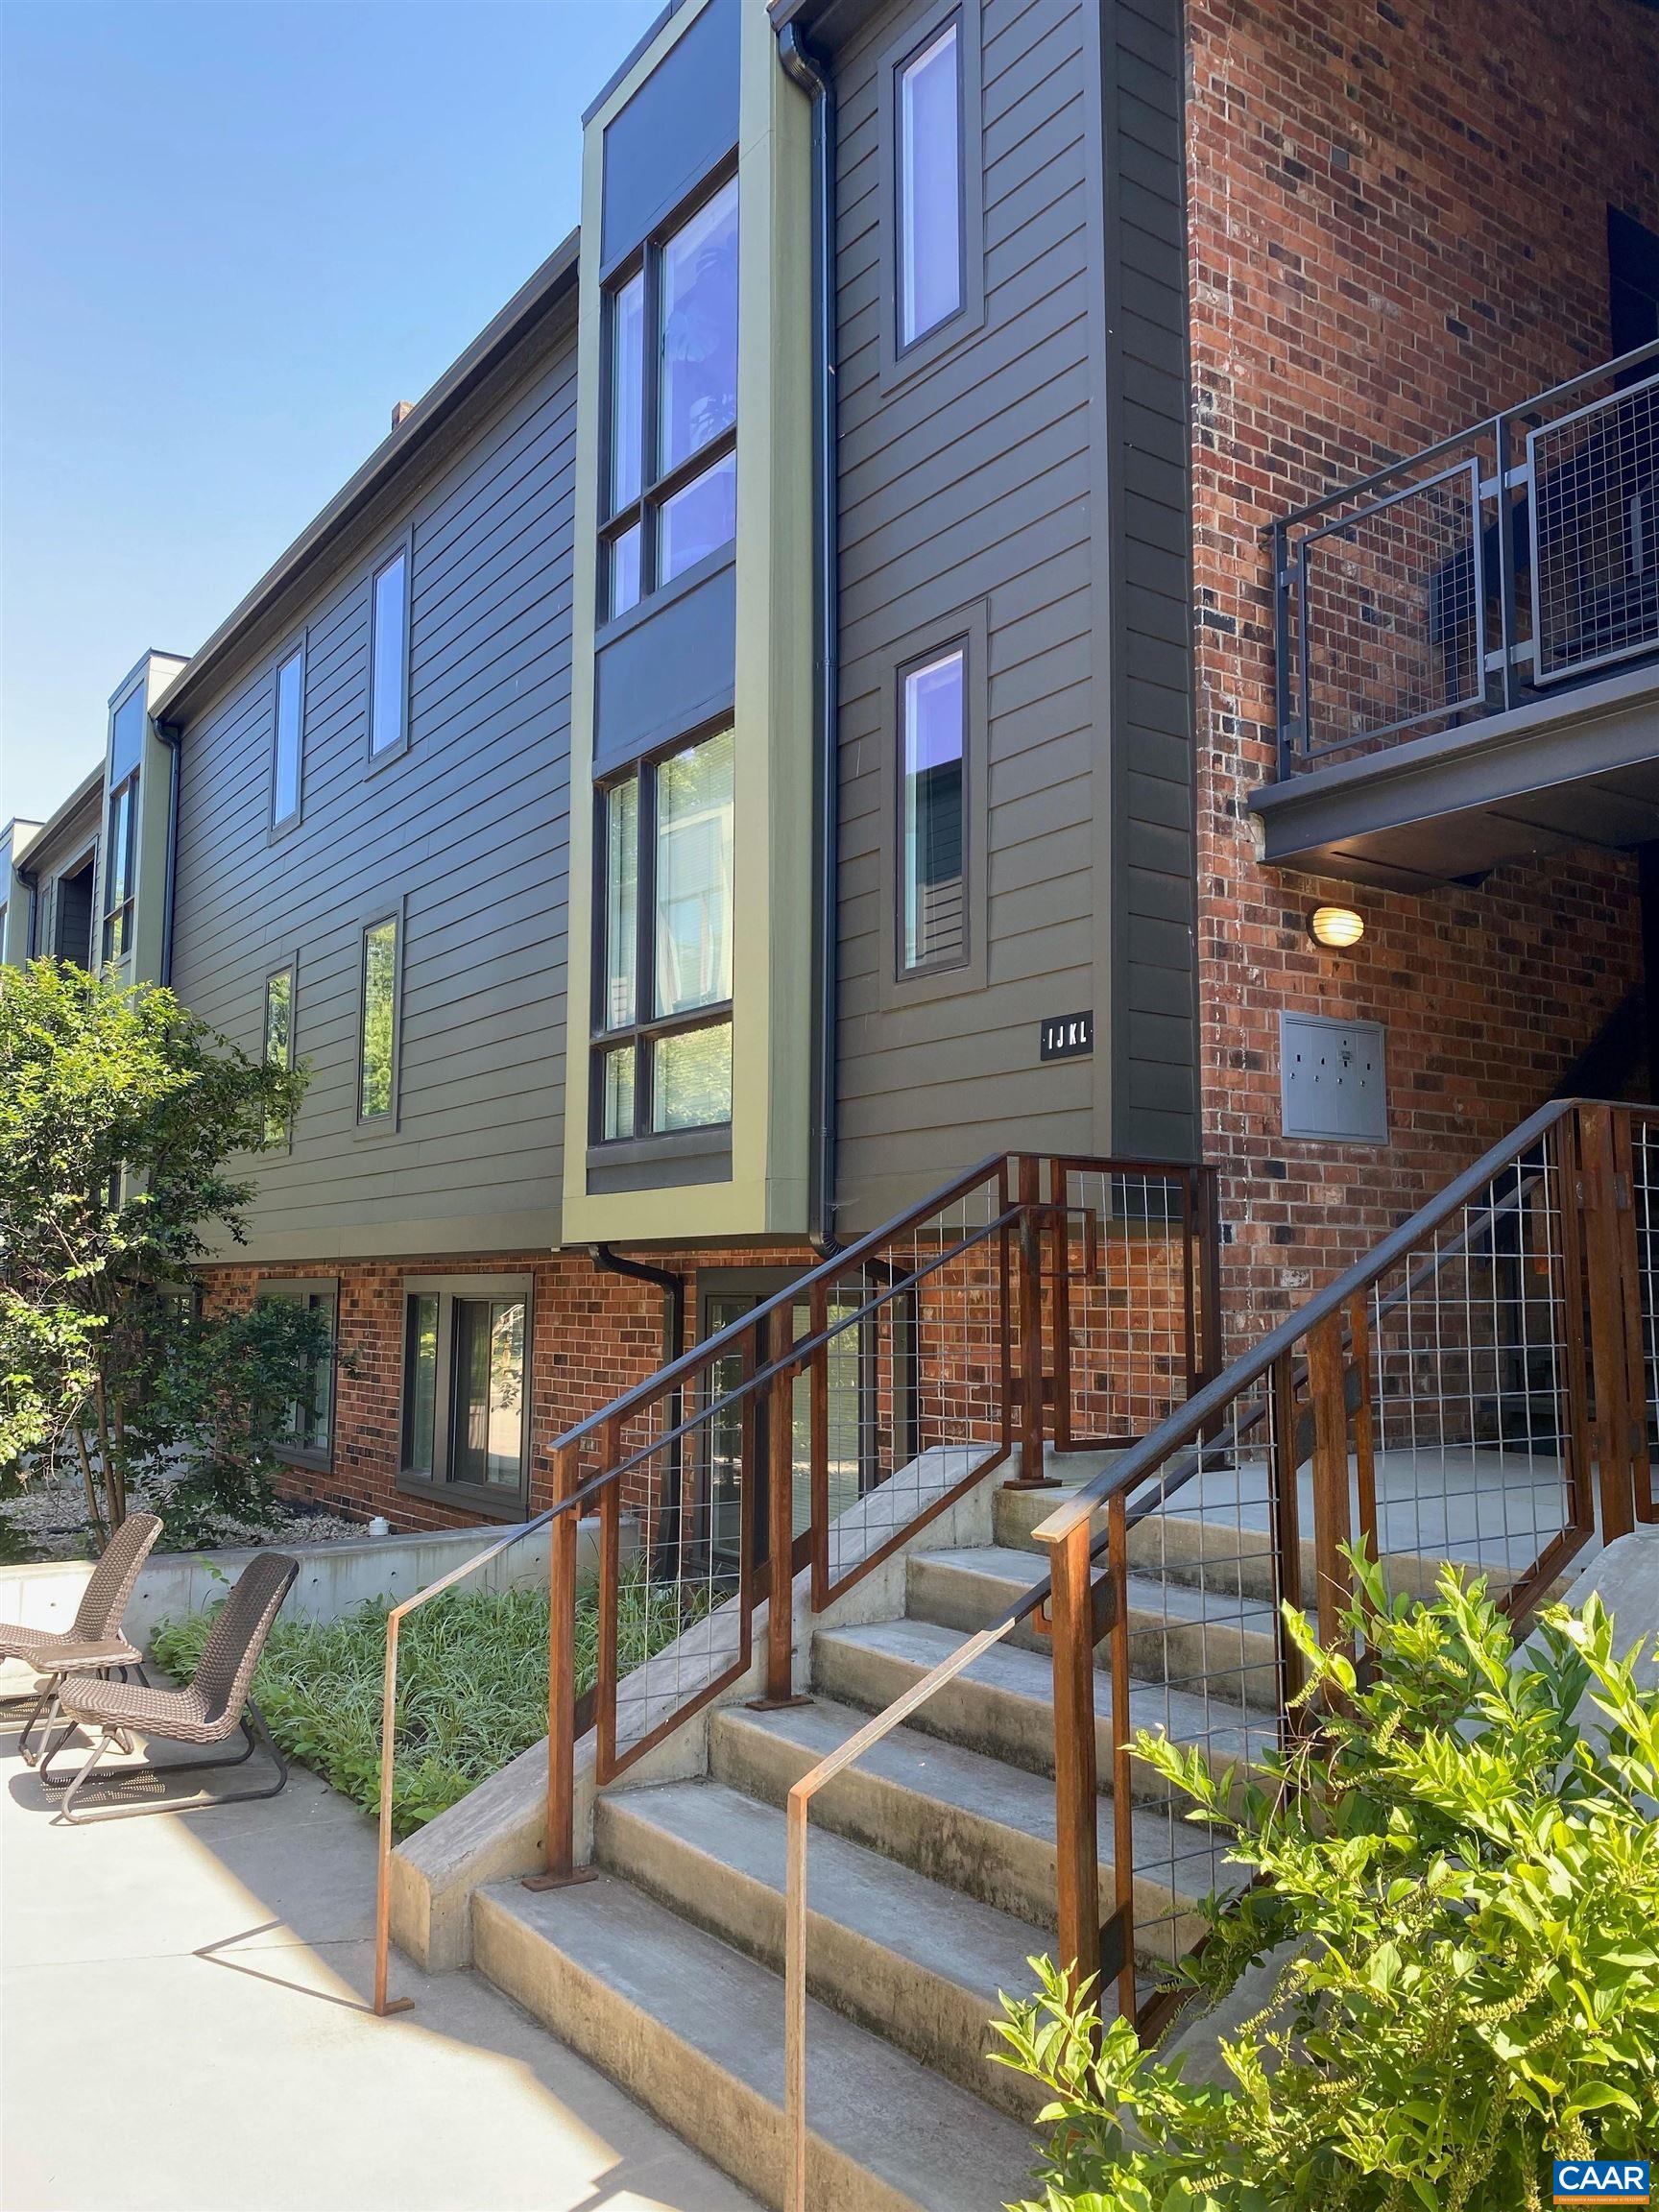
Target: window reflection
(698, 393)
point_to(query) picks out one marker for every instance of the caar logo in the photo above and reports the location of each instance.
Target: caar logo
(1602, 2182)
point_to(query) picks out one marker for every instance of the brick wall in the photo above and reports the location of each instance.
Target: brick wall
(593, 1335)
(1398, 220)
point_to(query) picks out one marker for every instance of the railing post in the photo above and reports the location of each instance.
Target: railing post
(383, 2002)
(1286, 1503)
(818, 1442)
(780, 1522)
(560, 1810)
(1333, 1510)
(1032, 1474)
(1619, 1421)
(1076, 1806)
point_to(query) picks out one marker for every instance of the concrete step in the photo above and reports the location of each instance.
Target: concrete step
(920, 1964)
(694, 2030)
(971, 1823)
(1177, 1634)
(1001, 1705)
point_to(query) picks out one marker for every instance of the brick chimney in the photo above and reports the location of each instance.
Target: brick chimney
(400, 410)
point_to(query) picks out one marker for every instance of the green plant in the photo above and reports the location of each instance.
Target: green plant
(472, 1684)
(1467, 1883)
(119, 1113)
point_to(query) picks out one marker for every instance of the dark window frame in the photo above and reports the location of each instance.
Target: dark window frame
(908, 970)
(279, 825)
(290, 968)
(646, 1028)
(402, 548)
(120, 871)
(654, 488)
(968, 628)
(493, 1500)
(384, 1122)
(902, 359)
(294, 1288)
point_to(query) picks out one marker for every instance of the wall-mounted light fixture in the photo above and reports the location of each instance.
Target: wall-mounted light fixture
(1335, 928)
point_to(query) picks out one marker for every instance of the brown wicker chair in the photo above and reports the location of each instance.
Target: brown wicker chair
(94, 1643)
(210, 1709)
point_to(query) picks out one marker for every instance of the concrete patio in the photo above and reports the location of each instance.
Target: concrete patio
(183, 2023)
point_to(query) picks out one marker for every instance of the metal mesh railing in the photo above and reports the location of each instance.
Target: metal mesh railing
(1515, 556)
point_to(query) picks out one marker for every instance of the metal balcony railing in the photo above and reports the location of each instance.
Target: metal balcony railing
(1515, 558)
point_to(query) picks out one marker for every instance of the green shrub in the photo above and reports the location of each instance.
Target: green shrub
(471, 1685)
(1469, 1890)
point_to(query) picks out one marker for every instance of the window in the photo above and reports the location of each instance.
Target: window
(932, 813)
(377, 1057)
(307, 1432)
(389, 655)
(929, 186)
(279, 1038)
(289, 739)
(663, 997)
(465, 1387)
(672, 406)
(120, 866)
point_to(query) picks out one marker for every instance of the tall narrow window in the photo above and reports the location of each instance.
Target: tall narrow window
(466, 1387)
(929, 186)
(120, 866)
(377, 1064)
(389, 682)
(672, 406)
(289, 739)
(933, 911)
(664, 1002)
(279, 1038)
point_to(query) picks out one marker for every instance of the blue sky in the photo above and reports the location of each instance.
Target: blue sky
(232, 234)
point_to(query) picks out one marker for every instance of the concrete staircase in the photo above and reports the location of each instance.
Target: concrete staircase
(932, 1883)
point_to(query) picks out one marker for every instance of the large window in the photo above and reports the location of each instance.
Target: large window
(378, 1054)
(672, 406)
(279, 1038)
(663, 1004)
(389, 655)
(290, 738)
(932, 813)
(929, 185)
(466, 1386)
(308, 1431)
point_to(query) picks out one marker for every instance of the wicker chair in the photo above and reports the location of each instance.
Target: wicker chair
(94, 1642)
(210, 1708)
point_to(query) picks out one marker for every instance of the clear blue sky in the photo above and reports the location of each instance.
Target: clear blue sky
(232, 234)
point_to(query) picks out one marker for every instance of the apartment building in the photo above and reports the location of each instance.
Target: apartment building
(836, 682)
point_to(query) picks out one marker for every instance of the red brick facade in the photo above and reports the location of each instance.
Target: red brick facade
(1397, 224)
(593, 1335)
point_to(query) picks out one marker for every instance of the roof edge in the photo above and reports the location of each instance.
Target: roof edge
(533, 299)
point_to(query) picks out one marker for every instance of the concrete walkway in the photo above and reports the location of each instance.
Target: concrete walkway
(183, 2024)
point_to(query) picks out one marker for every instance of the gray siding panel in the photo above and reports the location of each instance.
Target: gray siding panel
(975, 482)
(468, 830)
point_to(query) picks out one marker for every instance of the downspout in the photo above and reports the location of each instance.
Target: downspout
(169, 735)
(673, 1290)
(32, 930)
(809, 72)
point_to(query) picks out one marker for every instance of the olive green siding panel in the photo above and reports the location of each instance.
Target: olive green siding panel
(993, 478)
(465, 834)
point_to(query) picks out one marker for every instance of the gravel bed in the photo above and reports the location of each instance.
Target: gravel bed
(46, 1520)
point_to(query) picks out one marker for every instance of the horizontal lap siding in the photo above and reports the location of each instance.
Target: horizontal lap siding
(468, 830)
(974, 481)
(970, 481)
(1155, 1107)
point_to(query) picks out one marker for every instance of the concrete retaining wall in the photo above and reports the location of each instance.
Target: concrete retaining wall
(333, 1579)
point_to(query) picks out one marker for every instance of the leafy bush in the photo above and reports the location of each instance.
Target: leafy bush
(1468, 1888)
(471, 1685)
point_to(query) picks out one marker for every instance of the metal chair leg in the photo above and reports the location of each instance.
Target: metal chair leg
(254, 1733)
(41, 1704)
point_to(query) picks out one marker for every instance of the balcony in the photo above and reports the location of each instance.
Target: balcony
(1468, 646)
